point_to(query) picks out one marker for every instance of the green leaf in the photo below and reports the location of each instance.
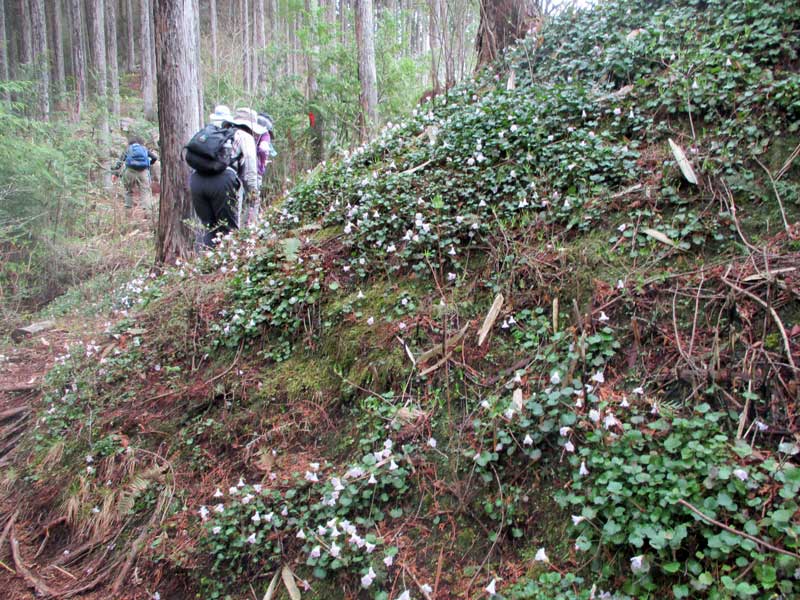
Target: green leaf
(672, 567)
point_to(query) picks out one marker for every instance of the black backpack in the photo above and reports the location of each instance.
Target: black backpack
(210, 151)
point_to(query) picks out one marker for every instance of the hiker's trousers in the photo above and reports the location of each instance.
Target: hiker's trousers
(214, 199)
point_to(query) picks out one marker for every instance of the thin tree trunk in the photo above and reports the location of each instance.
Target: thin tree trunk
(56, 42)
(130, 46)
(3, 50)
(245, 37)
(365, 39)
(97, 30)
(198, 58)
(112, 54)
(502, 23)
(260, 46)
(41, 58)
(212, 9)
(178, 119)
(434, 41)
(24, 32)
(148, 84)
(78, 56)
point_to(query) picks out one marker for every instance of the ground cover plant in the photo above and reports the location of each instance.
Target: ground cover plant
(538, 340)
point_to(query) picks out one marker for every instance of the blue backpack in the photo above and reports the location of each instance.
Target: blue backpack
(137, 158)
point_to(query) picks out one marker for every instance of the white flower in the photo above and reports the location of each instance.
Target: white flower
(404, 596)
(367, 579)
(594, 415)
(620, 284)
(360, 295)
(391, 248)
(603, 317)
(89, 458)
(528, 441)
(96, 509)
(491, 589)
(301, 535)
(761, 426)
(426, 588)
(203, 513)
(569, 447)
(740, 474)
(577, 519)
(335, 550)
(370, 547)
(636, 562)
(216, 530)
(583, 471)
(233, 490)
(371, 321)
(451, 277)
(256, 518)
(638, 391)
(372, 480)
(452, 251)
(555, 378)
(388, 560)
(393, 465)
(247, 499)
(311, 477)
(219, 508)
(609, 421)
(251, 539)
(485, 403)
(509, 413)
(564, 431)
(314, 466)
(541, 556)
(432, 442)
(315, 552)
(598, 377)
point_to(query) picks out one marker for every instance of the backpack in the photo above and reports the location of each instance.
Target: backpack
(209, 151)
(137, 157)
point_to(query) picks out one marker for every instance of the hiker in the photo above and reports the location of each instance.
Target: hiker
(265, 151)
(247, 130)
(214, 182)
(136, 160)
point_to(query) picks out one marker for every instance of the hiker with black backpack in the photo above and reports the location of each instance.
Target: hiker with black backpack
(214, 183)
(136, 160)
(247, 131)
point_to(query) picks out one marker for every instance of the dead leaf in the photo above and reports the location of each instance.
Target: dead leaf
(490, 319)
(288, 581)
(683, 162)
(657, 235)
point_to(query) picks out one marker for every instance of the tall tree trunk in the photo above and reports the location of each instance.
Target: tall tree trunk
(4, 74)
(56, 43)
(97, 30)
(365, 39)
(197, 41)
(23, 27)
(178, 120)
(212, 9)
(434, 37)
(502, 23)
(78, 55)
(111, 47)
(245, 39)
(130, 46)
(148, 84)
(260, 43)
(41, 58)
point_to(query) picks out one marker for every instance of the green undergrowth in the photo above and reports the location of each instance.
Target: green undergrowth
(319, 383)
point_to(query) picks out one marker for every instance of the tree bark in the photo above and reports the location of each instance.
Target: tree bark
(4, 72)
(247, 83)
(260, 43)
(367, 76)
(130, 46)
(148, 84)
(178, 119)
(435, 43)
(58, 71)
(212, 9)
(99, 78)
(24, 32)
(78, 55)
(112, 55)
(502, 23)
(41, 58)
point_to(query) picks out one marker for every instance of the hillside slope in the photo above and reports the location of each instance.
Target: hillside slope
(509, 347)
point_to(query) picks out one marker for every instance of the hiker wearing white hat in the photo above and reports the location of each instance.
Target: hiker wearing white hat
(245, 120)
(221, 114)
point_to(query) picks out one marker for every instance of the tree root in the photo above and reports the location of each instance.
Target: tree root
(32, 581)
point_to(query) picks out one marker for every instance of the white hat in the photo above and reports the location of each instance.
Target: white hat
(247, 117)
(220, 115)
